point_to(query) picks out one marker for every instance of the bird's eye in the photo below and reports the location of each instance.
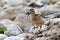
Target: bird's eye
(31, 10)
(27, 13)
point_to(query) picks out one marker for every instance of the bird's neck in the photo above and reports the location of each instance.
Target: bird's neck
(33, 15)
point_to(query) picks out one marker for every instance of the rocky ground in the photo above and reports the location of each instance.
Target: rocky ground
(18, 25)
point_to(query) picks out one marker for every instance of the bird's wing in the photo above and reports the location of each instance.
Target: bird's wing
(38, 15)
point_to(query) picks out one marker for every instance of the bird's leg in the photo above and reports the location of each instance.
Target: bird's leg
(40, 26)
(35, 25)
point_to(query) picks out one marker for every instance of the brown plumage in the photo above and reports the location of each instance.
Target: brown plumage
(35, 19)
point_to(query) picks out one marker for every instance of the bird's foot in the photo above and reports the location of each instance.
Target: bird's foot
(36, 26)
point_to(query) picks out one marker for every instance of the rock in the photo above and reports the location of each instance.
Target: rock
(48, 2)
(47, 10)
(58, 3)
(56, 37)
(2, 36)
(51, 16)
(12, 12)
(54, 27)
(23, 20)
(10, 38)
(27, 1)
(43, 38)
(52, 31)
(1, 3)
(51, 22)
(34, 5)
(24, 36)
(9, 13)
(44, 28)
(32, 29)
(37, 30)
(54, 21)
(13, 3)
(37, 39)
(12, 28)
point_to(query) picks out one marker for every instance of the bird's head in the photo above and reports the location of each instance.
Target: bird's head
(31, 11)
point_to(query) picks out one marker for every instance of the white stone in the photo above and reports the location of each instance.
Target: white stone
(1, 3)
(25, 35)
(2, 36)
(10, 38)
(44, 28)
(22, 20)
(9, 13)
(12, 28)
(13, 3)
(20, 37)
(32, 29)
(55, 20)
(12, 12)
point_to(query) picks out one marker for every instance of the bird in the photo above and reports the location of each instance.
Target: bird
(35, 19)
